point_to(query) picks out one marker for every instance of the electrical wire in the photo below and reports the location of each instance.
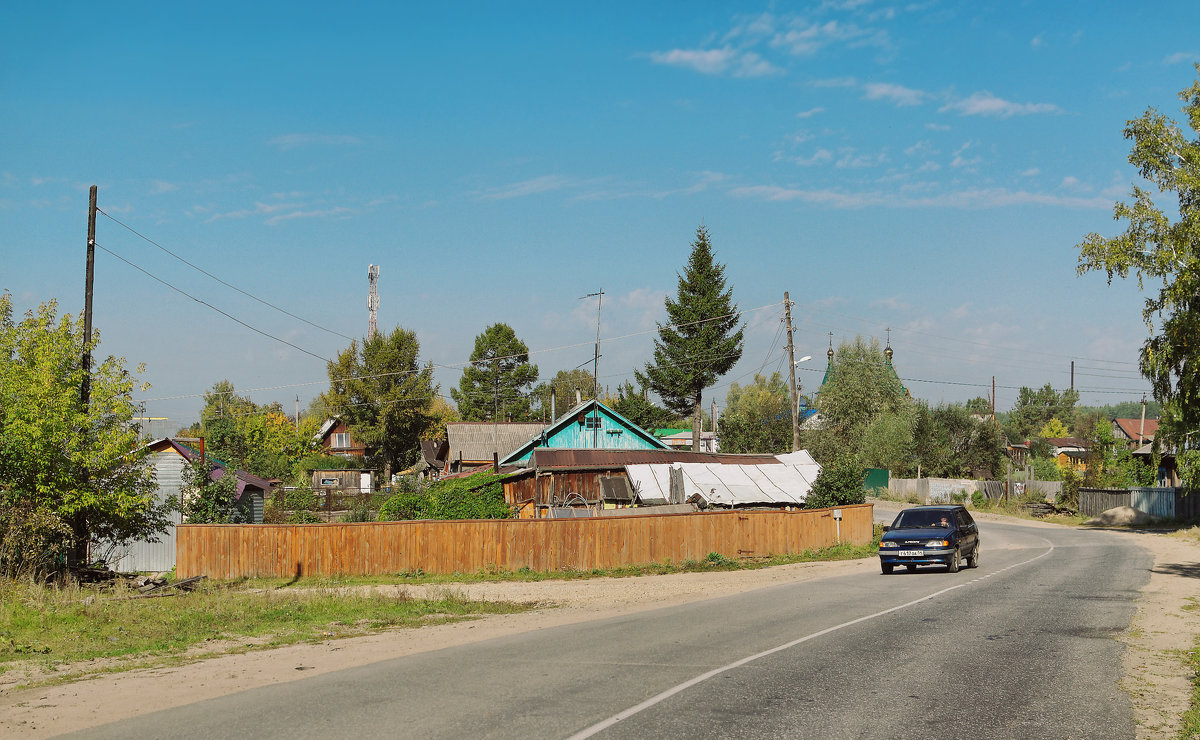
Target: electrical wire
(219, 280)
(209, 305)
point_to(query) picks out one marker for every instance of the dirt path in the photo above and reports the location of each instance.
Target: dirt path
(1154, 675)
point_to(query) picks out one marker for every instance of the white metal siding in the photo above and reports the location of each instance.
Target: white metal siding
(158, 556)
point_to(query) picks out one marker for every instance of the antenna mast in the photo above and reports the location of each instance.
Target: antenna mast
(373, 301)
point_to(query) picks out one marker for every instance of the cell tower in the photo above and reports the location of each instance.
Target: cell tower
(373, 301)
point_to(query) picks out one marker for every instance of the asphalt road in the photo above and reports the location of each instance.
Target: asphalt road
(1023, 646)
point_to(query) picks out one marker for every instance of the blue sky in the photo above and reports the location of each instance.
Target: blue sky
(926, 167)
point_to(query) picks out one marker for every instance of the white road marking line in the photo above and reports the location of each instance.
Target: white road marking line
(659, 698)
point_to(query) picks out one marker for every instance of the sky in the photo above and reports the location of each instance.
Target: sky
(926, 168)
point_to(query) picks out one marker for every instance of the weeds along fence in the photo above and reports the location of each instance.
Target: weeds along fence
(379, 548)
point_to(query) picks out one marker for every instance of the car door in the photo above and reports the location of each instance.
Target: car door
(968, 533)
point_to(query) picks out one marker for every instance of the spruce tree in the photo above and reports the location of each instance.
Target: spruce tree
(701, 340)
(496, 384)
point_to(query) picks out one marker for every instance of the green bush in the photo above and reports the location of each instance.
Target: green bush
(978, 500)
(478, 496)
(33, 542)
(839, 484)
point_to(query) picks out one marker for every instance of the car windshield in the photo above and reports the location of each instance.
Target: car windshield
(923, 518)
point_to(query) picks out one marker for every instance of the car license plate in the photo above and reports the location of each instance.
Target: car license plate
(910, 553)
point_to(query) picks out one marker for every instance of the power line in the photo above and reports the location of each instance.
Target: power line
(219, 280)
(209, 305)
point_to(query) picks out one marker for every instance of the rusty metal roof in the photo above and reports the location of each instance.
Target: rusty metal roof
(545, 458)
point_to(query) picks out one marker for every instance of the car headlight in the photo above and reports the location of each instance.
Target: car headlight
(938, 543)
(883, 545)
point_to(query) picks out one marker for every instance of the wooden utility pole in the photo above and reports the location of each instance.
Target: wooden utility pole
(85, 393)
(787, 319)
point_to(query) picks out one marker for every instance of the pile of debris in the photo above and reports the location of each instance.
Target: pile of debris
(1044, 508)
(145, 584)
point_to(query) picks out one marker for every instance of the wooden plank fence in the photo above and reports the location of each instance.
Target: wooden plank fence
(227, 551)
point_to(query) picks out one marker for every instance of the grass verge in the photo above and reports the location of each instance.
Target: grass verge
(52, 626)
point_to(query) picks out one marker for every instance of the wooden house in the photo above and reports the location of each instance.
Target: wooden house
(1134, 433)
(473, 444)
(588, 426)
(335, 439)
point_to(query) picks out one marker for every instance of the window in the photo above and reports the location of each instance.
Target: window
(341, 440)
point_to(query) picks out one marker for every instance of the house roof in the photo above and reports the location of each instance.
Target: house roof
(1133, 428)
(551, 458)
(220, 468)
(538, 438)
(477, 440)
(1061, 442)
(433, 453)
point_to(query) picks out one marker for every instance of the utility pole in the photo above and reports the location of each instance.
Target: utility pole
(85, 392)
(1072, 375)
(596, 371)
(787, 319)
(297, 412)
(1142, 431)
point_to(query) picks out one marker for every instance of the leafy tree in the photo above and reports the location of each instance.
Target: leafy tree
(385, 395)
(260, 439)
(1034, 408)
(496, 383)
(441, 413)
(562, 387)
(1157, 248)
(1053, 429)
(838, 484)
(887, 442)
(207, 500)
(979, 405)
(860, 388)
(73, 468)
(758, 417)
(701, 341)
(951, 443)
(635, 406)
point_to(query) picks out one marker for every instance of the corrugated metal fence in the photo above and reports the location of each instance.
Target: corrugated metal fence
(1161, 503)
(379, 548)
(941, 490)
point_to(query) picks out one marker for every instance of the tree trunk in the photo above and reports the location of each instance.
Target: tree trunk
(696, 423)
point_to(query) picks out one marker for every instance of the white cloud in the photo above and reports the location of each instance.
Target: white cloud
(929, 166)
(834, 82)
(810, 112)
(1070, 182)
(921, 149)
(853, 160)
(1031, 172)
(292, 141)
(805, 39)
(960, 160)
(898, 94)
(533, 186)
(819, 157)
(937, 127)
(336, 212)
(161, 186)
(1038, 41)
(725, 60)
(1181, 56)
(986, 104)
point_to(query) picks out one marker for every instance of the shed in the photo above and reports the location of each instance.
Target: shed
(168, 458)
(473, 443)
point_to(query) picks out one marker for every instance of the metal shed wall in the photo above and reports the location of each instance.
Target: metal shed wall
(157, 556)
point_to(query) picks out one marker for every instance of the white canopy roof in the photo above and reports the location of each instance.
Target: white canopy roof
(730, 485)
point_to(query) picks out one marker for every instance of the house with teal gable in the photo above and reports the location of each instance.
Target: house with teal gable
(588, 426)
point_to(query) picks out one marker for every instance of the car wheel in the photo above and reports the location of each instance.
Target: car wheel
(887, 568)
(911, 568)
(952, 564)
(973, 561)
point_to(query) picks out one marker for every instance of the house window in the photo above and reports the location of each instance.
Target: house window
(341, 440)
(592, 422)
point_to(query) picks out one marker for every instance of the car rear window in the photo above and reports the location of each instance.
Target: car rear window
(922, 518)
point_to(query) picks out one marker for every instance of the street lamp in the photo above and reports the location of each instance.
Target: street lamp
(796, 402)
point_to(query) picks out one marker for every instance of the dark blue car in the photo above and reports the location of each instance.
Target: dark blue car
(930, 535)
